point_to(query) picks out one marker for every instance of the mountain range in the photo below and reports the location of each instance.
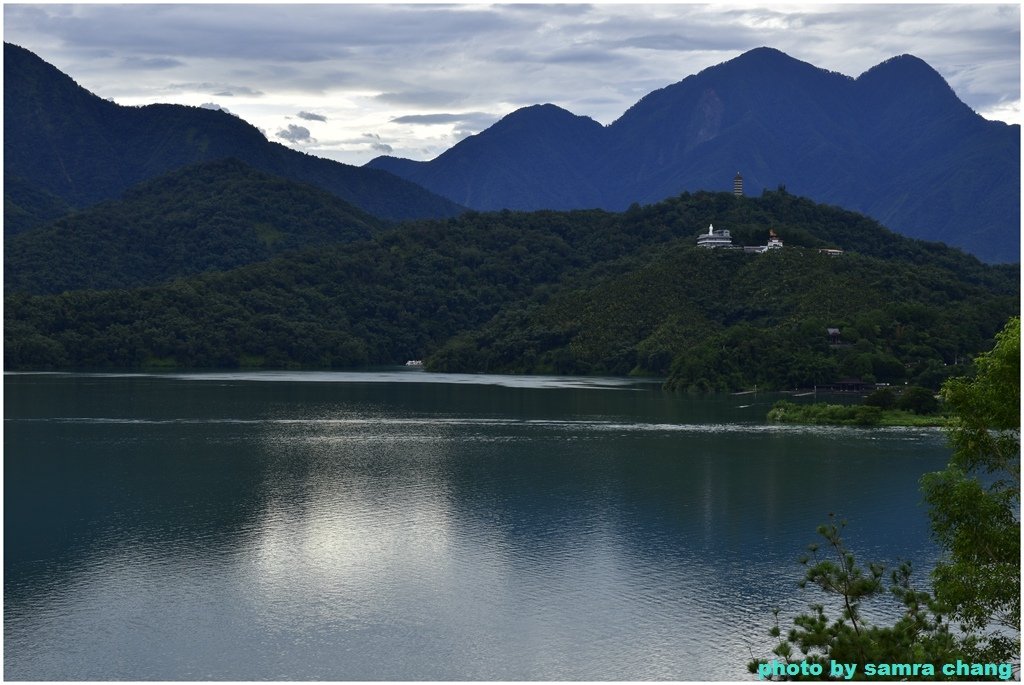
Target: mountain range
(65, 146)
(894, 143)
(169, 236)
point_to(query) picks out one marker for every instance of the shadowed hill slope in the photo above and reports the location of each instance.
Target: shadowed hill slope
(70, 143)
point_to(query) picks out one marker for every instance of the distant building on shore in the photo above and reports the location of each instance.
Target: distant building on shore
(737, 185)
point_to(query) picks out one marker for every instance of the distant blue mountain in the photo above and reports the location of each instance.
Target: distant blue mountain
(65, 144)
(895, 143)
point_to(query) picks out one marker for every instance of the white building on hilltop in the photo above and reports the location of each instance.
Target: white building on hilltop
(720, 238)
(714, 238)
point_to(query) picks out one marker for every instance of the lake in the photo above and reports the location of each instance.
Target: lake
(401, 525)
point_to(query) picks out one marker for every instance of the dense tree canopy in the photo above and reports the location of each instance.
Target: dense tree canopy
(720, 320)
(211, 216)
(566, 292)
(975, 503)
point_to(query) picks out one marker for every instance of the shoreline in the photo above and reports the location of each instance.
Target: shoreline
(824, 413)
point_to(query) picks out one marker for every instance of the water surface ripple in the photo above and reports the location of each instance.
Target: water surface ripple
(396, 526)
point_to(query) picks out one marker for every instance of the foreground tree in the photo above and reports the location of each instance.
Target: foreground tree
(974, 508)
(975, 502)
(920, 636)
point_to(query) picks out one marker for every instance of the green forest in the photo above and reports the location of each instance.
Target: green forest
(211, 216)
(223, 267)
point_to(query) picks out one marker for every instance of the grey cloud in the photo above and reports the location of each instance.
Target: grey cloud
(426, 98)
(286, 33)
(473, 119)
(194, 31)
(586, 56)
(215, 106)
(602, 101)
(243, 90)
(377, 144)
(310, 116)
(681, 42)
(296, 134)
(428, 119)
(568, 10)
(150, 63)
(218, 89)
(510, 55)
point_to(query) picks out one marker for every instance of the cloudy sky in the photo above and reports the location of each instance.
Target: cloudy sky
(354, 81)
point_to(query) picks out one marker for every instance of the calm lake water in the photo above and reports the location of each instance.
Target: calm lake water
(403, 525)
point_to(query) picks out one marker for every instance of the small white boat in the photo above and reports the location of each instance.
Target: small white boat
(414, 362)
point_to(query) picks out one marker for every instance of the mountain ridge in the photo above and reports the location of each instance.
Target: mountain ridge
(513, 140)
(895, 143)
(70, 142)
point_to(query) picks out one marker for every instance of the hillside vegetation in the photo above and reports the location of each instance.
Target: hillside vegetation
(569, 292)
(211, 216)
(714, 320)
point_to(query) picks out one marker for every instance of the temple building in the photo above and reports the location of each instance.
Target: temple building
(737, 185)
(720, 238)
(714, 238)
(774, 243)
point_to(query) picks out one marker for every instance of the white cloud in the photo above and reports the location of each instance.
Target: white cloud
(1004, 111)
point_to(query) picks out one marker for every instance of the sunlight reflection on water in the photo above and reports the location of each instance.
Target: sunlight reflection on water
(302, 529)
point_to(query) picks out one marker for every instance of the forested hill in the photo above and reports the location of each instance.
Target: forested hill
(63, 141)
(894, 143)
(575, 292)
(907, 311)
(211, 216)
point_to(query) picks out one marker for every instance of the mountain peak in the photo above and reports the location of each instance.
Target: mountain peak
(546, 108)
(903, 66)
(546, 119)
(27, 69)
(906, 80)
(766, 53)
(764, 58)
(541, 114)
